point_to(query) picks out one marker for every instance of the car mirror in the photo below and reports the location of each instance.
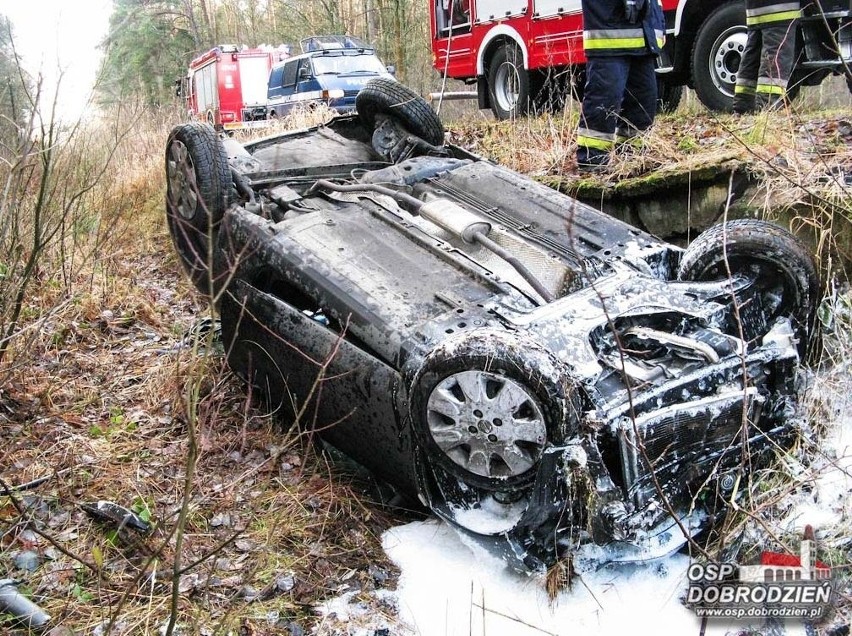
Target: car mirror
(304, 73)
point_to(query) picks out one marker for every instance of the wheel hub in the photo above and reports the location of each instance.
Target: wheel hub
(183, 188)
(725, 61)
(507, 86)
(487, 424)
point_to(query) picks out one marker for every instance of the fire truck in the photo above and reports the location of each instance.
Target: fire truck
(226, 86)
(529, 53)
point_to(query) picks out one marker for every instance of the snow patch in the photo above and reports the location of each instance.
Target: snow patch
(447, 588)
(359, 614)
(826, 503)
(491, 517)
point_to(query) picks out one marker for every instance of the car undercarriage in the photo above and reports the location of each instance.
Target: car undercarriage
(548, 379)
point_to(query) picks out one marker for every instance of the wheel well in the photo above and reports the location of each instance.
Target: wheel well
(492, 48)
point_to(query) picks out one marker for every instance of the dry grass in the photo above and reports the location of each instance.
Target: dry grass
(799, 163)
(300, 117)
(105, 398)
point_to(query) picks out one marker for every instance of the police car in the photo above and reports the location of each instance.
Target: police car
(331, 71)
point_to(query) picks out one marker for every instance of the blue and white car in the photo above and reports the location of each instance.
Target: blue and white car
(331, 71)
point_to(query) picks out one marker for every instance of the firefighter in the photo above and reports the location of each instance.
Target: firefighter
(769, 54)
(622, 39)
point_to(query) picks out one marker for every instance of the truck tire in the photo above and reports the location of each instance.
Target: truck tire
(716, 56)
(553, 88)
(668, 96)
(198, 191)
(389, 97)
(782, 266)
(508, 83)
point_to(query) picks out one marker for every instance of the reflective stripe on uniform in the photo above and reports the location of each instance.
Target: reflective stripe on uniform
(745, 86)
(770, 89)
(778, 7)
(634, 140)
(780, 12)
(786, 16)
(603, 39)
(589, 138)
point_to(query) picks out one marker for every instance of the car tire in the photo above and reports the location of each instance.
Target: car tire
(198, 191)
(508, 83)
(780, 263)
(716, 55)
(536, 392)
(389, 97)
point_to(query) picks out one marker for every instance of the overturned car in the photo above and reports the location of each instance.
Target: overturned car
(544, 377)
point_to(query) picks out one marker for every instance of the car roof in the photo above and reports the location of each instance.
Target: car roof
(325, 53)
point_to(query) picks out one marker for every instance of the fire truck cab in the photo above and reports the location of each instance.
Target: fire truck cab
(524, 54)
(226, 86)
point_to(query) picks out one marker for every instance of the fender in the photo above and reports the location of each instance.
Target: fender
(681, 7)
(497, 31)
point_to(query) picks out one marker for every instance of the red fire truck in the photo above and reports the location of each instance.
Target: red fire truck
(530, 52)
(226, 86)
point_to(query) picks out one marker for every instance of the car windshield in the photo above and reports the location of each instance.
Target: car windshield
(342, 64)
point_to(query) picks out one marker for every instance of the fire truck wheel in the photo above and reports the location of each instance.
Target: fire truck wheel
(508, 83)
(716, 56)
(389, 97)
(785, 277)
(668, 96)
(198, 191)
(552, 90)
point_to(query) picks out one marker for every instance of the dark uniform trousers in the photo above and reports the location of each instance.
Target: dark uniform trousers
(769, 54)
(620, 96)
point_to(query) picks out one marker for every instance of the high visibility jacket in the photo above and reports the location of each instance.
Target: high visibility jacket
(764, 13)
(606, 30)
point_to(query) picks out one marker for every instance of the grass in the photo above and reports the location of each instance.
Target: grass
(101, 395)
(796, 162)
(105, 398)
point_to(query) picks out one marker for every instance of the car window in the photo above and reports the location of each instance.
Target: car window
(275, 77)
(340, 64)
(290, 73)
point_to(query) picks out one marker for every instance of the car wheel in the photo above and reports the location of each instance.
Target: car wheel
(716, 56)
(389, 97)
(198, 187)
(487, 415)
(782, 267)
